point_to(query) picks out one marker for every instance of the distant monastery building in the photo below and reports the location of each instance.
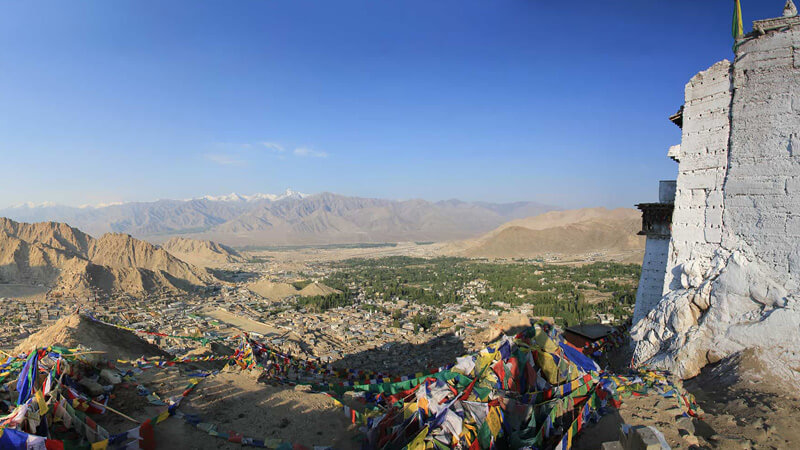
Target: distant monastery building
(721, 271)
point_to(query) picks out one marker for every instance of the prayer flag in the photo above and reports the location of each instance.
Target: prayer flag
(36, 442)
(418, 443)
(13, 440)
(738, 28)
(42, 404)
(53, 444)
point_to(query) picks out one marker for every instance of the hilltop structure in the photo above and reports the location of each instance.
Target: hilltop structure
(728, 255)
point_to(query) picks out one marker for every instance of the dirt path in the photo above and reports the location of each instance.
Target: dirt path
(241, 323)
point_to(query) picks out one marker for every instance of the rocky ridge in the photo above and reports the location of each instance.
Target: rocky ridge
(202, 252)
(323, 218)
(67, 260)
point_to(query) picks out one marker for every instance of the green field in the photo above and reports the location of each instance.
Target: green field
(571, 293)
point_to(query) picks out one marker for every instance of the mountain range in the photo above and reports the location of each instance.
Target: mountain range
(286, 219)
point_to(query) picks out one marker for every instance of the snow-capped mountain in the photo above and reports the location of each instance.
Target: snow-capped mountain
(288, 218)
(235, 197)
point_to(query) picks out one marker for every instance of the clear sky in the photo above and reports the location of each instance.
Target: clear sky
(563, 102)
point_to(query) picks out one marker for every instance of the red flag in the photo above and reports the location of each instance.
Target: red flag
(530, 373)
(148, 441)
(53, 444)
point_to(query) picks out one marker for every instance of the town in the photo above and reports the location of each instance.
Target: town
(362, 319)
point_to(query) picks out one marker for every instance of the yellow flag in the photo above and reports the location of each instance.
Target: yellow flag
(495, 420)
(544, 341)
(738, 28)
(484, 359)
(548, 366)
(41, 402)
(569, 437)
(162, 417)
(418, 443)
(422, 403)
(409, 409)
(102, 445)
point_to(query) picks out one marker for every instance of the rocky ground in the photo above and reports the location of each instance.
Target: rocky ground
(238, 402)
(742, 408)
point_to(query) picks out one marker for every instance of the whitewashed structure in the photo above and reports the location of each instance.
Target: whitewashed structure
(731, 273)
(656, 220)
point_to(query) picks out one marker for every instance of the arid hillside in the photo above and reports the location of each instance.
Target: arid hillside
(201, 252)
(566, 233)
(57, 256)
(278, 290)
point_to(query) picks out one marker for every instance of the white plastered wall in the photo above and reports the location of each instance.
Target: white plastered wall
(697, 218)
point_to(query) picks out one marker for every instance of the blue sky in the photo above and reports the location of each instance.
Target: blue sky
(559, 102)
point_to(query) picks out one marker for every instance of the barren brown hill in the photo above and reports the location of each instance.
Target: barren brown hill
(555, 219)
(317, 289)
(123, 251)
(277, 290)
(67, 260)
(51, 234)
(272, 290)
(74, 330)
(34, 262)
(569, 233)
(202, 253)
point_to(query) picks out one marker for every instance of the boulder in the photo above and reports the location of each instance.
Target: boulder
(110, 376)
(92, 387)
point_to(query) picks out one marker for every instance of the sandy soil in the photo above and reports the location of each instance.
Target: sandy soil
(745, 409)
(22, 291)
(237, 402)
(241, 323)
(323, 254)
(234, 401)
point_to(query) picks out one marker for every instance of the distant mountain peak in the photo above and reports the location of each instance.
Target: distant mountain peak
(32, 205)
(243, 198)
(289, 218)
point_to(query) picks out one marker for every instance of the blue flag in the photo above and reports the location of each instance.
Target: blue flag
(27, 376)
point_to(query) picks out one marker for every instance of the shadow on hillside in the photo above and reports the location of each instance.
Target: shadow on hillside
(405, 358)
(594, 434)
(235, 402)
(234, 276)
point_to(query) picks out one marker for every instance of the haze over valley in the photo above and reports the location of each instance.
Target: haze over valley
(291, 218)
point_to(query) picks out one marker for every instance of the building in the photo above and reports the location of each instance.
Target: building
(732, 263)
(656, 225)
(583, 335)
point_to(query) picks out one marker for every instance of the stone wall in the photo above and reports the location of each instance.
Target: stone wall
(732, 282)
(703, 158)
(651, 282)
(762, 189)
